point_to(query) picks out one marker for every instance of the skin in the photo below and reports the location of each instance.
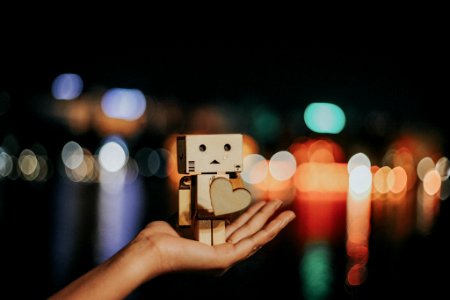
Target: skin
(159, 249)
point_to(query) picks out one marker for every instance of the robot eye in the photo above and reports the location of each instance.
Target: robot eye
(227, 147)
(202, 148)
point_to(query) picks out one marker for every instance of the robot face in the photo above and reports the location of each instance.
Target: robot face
(209, 153)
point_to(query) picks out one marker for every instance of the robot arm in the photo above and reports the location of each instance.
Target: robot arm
(184, 202)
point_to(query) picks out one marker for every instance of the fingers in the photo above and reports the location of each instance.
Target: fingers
(254, 221)
(249, 245)
(230, 229)
(266, 234)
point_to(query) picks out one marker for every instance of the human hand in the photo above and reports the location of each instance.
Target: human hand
(248, 233)
(159, 249)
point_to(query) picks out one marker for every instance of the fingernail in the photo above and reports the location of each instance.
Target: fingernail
(286, 221)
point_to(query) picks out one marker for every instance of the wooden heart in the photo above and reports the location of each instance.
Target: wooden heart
(225, 200)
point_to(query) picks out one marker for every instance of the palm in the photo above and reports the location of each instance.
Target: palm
(244, 236)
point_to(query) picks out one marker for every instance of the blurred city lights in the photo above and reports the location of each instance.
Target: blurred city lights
(249, 145)
(316, 271)
(359, 159)
(6, 164)
(320, 177)
(132, 171)
(28, 165)
(43, 168)
(154, 162)
(72, 155)
(380, 180)
(357, 274)
(142, 159)
(427, 204)
(255, 168)
(397, 180)
(324, 118)
(282, 165)
(161, 158)
(125, 104)
(360, 180)
(432, 182)
(113, 156)
(266, 124)
(443, 168)
(425, 165)
(86, 171)
(445, 190)
(67, 86)
(321, 151)
(271, 188)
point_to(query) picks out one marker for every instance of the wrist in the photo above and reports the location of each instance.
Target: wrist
(140, 261)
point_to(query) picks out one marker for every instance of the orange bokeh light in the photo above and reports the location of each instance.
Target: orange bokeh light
(397, 180)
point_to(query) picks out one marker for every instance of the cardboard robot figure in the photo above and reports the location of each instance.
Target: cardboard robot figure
(212, 190)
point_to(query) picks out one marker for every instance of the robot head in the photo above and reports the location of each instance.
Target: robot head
(209, 153)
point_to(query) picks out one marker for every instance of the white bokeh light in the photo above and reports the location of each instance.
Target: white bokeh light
(360, 179)
(6, 164)
(425, 165)
(255, 168)
(443, 168)
(282, 165)
(72, 155)
(359, 159)
(112, 156)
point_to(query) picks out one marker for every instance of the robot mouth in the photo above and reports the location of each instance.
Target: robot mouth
(215, 162)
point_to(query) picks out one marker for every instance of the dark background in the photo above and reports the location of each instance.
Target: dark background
(408, 82)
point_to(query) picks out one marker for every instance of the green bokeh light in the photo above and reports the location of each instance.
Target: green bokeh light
(324, 118)
(316, 271)
(266, 125)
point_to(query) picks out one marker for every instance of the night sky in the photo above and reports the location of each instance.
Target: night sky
(406, 84)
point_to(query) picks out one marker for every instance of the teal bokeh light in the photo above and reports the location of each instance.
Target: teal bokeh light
(324, 118)
(316, 271)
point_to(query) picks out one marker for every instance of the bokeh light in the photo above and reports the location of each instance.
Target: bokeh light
(425, 165)
(321, 151)
(357, 274)
(142, 159)
(443, 168)
(67, 86)
(432, 182)
(359, 159)
(6, 163)
(28, 165)
(380, 180)
(397, 180)
(266, 124)
(165, 167)
(320, 177)
(360, 180)
(324, 118)
(249, 145)
(72, 155)
(113, 156)
(255, 168)
(86, 171)
(445, 190)
(316, 271)
(125, 104)
(282, 165)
